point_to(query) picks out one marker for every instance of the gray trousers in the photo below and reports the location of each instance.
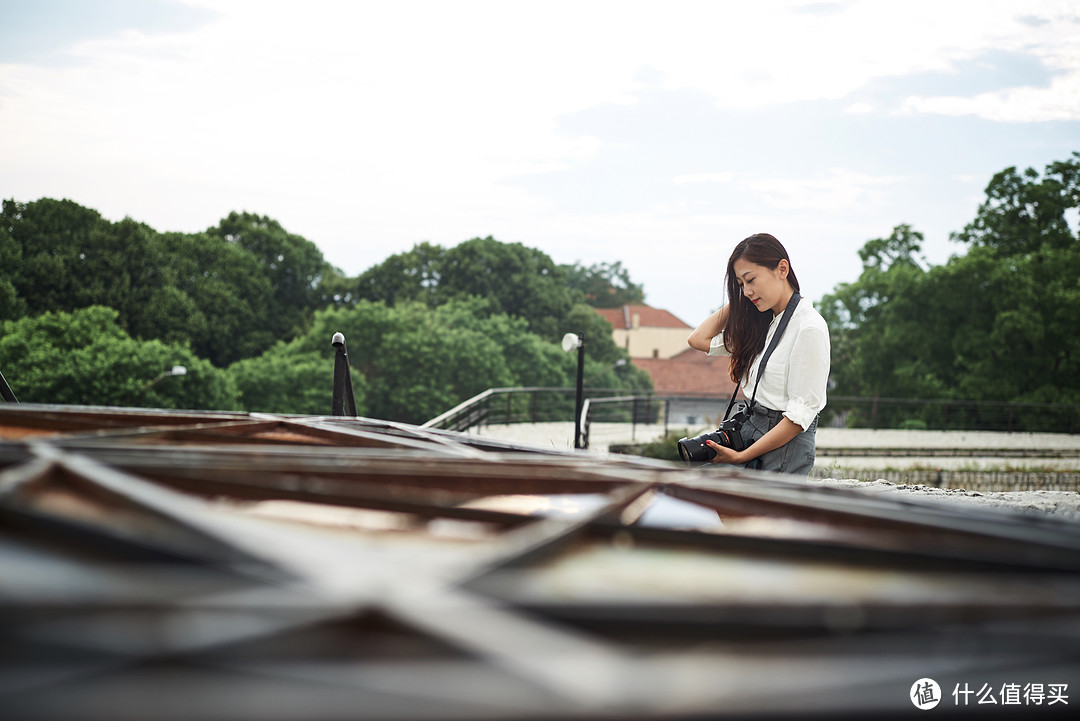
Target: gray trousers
(796, 456)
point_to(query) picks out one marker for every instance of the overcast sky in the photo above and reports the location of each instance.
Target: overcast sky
(657, 134)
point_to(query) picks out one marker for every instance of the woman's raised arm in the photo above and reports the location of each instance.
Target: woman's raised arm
(701, 337)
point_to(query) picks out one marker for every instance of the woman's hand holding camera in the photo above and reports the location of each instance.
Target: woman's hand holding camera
(727, 455)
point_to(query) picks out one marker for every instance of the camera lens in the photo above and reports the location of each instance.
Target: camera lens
(694, 450)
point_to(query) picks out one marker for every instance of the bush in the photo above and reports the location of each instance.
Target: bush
(664, 448)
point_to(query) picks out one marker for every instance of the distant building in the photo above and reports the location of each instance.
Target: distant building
(698, 385)
(646, 332)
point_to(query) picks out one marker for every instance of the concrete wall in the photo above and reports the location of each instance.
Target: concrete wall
(975, 460)
(652, 342)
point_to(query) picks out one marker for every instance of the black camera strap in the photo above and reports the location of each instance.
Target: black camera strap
(784, 320)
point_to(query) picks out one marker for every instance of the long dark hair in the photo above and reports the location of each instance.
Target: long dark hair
(744, 335)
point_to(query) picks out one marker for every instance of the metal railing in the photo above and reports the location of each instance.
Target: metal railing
(647, 410)
(951, 415)
(6, 392)
(539, 405)
(498, 406)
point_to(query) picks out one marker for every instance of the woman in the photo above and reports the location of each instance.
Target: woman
(783, 424)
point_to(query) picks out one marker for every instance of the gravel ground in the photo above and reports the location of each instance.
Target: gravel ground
(1064, 505)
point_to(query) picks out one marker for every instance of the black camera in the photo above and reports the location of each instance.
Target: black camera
(694, 450)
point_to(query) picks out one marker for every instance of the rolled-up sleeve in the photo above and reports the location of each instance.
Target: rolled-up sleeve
(716, 346)
(808, 375)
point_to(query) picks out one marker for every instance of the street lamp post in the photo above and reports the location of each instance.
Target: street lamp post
(571, 341)
(174, 371)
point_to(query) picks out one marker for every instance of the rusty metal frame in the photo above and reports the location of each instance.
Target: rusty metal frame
(138, 577)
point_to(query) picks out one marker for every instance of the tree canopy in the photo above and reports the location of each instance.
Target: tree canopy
(92, 310)
(604, 285)
(431, 327)
(229, 293)
(511, 278)
(293, 267)
(86, 358)
(514, 279)
(997, 323)
(411, 362)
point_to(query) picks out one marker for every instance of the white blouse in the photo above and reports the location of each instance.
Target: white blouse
(798, 370)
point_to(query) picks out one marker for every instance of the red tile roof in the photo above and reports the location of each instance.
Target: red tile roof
(650, 317)
(689, 373)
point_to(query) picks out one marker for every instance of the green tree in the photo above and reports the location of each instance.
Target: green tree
(10, 261)
(604, 285)
(294, 267)
(133, 259)
(404, 277)
(434, 326)
(1025, 213)
(65, 254)
(510, 278)
(1011, 330)
(513, 278)
(997, 323)
(70, 257)
(415, 363)
(231, 292)
(215, 293)
(287, 379)
(1021, 282)
(411, 362)
(86, 358)
(872, 321)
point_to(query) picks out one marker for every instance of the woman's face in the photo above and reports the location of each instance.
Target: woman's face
(766, 289)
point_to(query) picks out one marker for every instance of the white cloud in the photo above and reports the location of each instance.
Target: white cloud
(370, 126)
(1052, 34)
(968, 179)
(1060, 101)
(703, 178)
(836, 190)
(763, 54)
